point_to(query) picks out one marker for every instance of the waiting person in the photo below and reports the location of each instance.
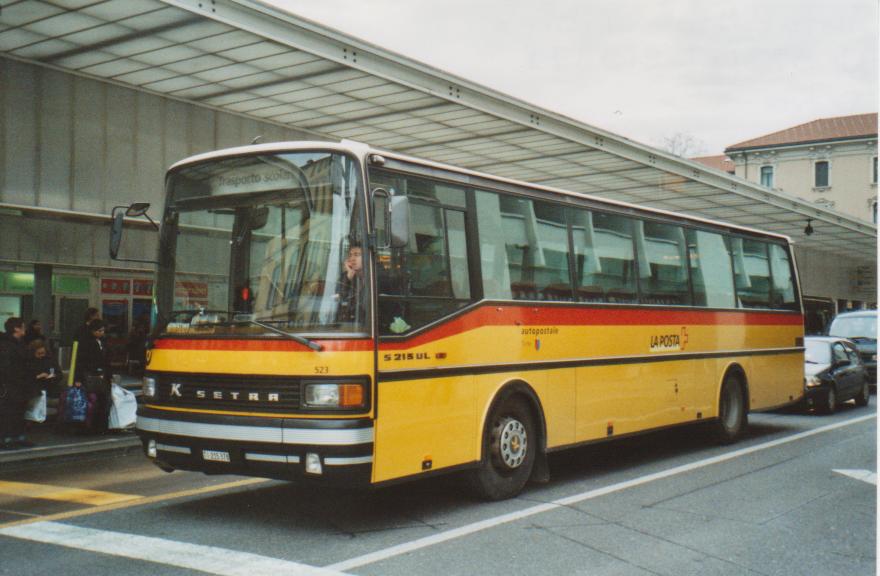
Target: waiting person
(91, 371)
(351, 284)
(14, 386)
(45, 374)
(83, 333)
(33, 332)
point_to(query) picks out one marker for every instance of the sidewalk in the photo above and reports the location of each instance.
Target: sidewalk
(59, 445)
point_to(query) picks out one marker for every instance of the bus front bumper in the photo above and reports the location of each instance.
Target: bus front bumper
(335, 451)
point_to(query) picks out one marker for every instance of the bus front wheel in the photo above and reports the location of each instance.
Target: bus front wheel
(509, 447)
(732, 413)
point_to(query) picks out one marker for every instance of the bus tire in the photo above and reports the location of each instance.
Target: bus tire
(509, 447)
(732, 414)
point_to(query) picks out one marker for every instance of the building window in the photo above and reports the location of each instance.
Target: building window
(874, 211)
(874, 171)
(822, 172)
(767, 176)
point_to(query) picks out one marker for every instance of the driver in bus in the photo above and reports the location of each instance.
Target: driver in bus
(350, 284)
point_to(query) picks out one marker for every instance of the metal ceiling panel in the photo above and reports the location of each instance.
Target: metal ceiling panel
(24, 13)
(248, 58)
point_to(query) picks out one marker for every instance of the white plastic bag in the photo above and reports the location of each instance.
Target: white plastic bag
(123, 408)
(36, 408)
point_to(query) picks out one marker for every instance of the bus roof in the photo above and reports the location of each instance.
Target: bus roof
(362, 151)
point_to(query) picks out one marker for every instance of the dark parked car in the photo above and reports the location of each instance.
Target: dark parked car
(833, 373)
(861, 328)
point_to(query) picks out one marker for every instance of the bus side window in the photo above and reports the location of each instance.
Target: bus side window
(752, 272)
(783, 279)
(663, 270)
(711, 270)
(429, 277)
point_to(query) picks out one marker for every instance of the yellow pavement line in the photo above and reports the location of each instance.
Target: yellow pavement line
(138, 501)
(63, 493)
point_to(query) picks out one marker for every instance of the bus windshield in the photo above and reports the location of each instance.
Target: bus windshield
(264, 245)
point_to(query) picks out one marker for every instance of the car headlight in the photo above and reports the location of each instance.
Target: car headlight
(812, 382)
(149, 387)
(334, 396)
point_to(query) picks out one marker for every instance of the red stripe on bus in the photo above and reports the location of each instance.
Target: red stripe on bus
(509, 316)
(262, 345)
(564, 316)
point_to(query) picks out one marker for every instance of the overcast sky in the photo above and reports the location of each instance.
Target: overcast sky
(720, 71)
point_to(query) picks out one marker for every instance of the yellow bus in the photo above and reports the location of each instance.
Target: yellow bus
(332, 312)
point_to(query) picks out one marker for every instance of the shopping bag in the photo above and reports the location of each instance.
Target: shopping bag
(123, 408)
(76, 405)
(36, 408)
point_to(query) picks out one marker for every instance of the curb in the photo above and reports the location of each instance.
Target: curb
(62, 451)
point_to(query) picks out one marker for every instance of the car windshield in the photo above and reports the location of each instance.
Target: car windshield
(817, 352)
(854, 327)
(263, 245)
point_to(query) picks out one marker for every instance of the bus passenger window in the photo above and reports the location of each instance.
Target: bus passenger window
(783, 280)
(711, 272)
(603, 245)
(752, 272)
(536, 246)
(493, 251)
(662, 264)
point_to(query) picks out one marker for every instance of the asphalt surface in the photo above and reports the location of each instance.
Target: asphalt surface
(797, 496)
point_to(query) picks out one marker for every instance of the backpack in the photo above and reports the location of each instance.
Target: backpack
(76, 405)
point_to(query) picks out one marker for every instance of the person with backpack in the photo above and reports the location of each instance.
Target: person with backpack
(91, 372)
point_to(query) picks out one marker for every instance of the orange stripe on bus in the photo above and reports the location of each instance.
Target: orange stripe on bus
(262, 345)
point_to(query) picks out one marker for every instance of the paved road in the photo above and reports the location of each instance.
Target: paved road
(797, 496)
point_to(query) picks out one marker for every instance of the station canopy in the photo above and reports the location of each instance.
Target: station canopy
(248, 58)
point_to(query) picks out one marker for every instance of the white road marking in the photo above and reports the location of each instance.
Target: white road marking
(863, 475)
(208, 559)
(407, 547)
(224, 562)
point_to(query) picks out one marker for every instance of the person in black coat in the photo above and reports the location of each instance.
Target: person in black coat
(15, 388)
(33, 332)
(91, 371)
(83, 333)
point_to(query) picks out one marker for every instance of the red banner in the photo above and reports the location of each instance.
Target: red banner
(115, 286)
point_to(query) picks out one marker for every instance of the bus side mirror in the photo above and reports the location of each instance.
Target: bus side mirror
(399, 216)
(391, 219)
(116, 231)
(118, 222)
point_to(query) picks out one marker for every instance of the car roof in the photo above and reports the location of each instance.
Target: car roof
(856, 313)
(828, 339)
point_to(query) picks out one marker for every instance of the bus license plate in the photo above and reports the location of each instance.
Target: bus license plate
(215, 455)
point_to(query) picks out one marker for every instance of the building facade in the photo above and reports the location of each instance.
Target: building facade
(831, 162)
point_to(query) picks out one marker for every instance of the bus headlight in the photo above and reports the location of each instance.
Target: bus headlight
(334, 396)
(812, 382)
(149, 387)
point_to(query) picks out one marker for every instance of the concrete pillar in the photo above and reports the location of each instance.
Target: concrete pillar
(43, 296)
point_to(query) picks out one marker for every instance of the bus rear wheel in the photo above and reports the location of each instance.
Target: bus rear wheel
(509, 447)
(732, 413)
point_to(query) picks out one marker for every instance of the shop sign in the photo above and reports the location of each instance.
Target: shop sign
(115, 286)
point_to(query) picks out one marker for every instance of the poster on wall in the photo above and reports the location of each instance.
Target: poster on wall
(115, 286)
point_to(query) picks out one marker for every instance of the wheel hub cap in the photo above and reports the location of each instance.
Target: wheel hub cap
(513, 443)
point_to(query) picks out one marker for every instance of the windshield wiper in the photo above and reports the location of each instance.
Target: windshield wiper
(239, 320)
(295, 337)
